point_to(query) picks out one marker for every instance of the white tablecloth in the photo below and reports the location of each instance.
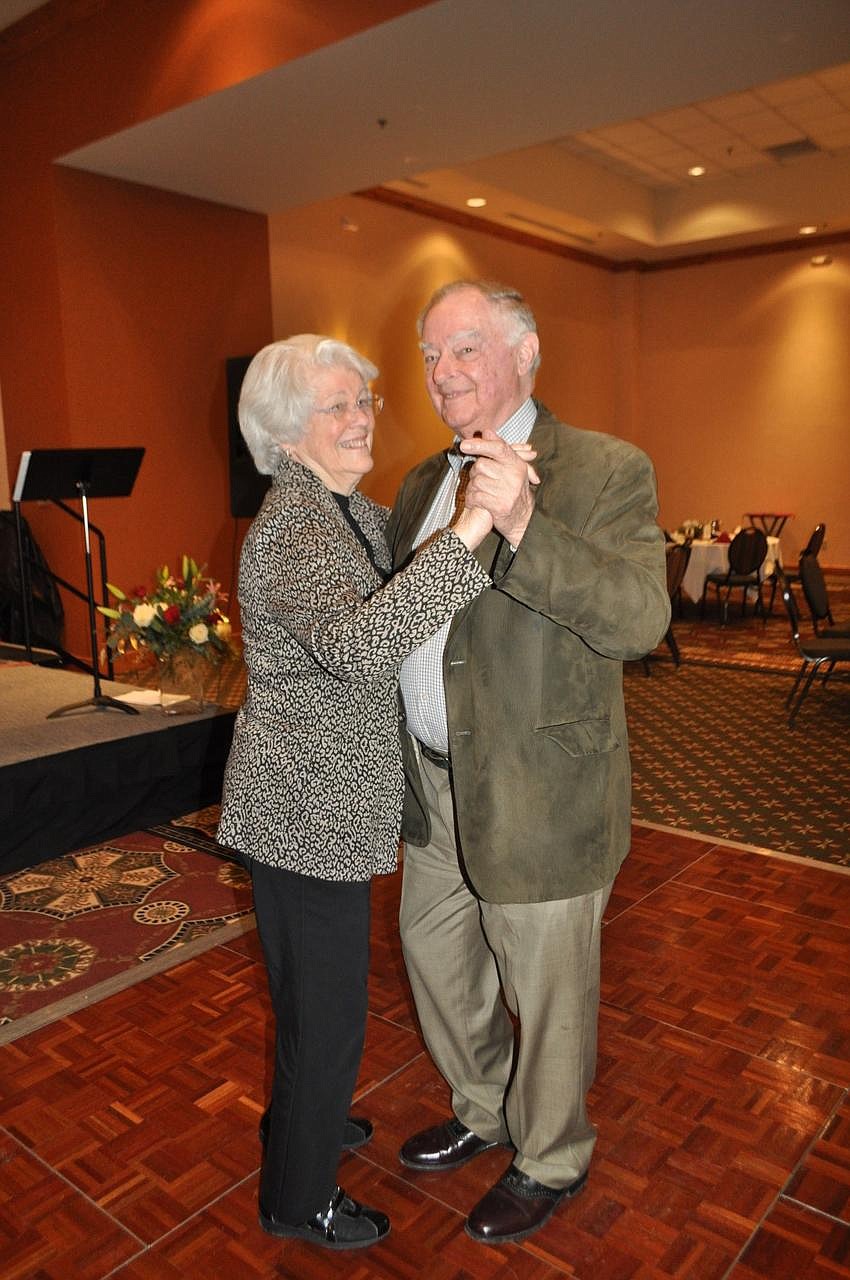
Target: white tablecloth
(713, 557)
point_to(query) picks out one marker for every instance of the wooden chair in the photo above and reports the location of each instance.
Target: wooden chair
(747, 551)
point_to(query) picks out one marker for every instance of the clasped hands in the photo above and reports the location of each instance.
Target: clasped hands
(500, 492)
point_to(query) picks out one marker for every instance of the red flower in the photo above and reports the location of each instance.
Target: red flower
(139, 593)
(171, 614)
(212, 618)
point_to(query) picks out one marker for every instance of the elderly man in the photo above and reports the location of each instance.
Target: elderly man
(517, 813)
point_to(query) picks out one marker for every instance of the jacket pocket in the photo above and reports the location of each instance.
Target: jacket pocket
(582, 737)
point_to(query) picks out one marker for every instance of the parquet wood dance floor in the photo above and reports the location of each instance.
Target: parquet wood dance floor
(128, 1131)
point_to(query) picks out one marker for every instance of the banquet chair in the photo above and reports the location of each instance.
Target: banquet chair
(816, 653)
(817, 598)
(812, 548)
(678, 555)
(747, 552)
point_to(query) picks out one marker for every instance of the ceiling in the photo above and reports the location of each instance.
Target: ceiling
(576, 120)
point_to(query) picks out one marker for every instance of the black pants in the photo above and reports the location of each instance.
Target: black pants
(315, 939)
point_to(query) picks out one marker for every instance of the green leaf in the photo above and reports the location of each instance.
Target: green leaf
(108, 613)
(115, 591)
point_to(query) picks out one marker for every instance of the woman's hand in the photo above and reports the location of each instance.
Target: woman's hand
(472, 526)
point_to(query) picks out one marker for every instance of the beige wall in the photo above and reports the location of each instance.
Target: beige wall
(744, 377)
(367, 287)
(734, 376)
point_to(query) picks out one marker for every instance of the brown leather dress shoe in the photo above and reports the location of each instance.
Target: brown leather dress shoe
(445, 1146)
(517, 1206)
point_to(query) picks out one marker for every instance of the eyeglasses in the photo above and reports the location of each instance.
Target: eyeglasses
(365, 404)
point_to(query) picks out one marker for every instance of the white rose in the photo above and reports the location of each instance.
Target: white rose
(143, 615)
(200, 633)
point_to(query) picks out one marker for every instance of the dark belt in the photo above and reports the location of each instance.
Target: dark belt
(441, 761)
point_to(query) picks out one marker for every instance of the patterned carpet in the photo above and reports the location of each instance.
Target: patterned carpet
(76, 928)
(712, 753)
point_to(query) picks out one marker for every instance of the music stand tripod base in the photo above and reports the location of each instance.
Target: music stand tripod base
(100, 702)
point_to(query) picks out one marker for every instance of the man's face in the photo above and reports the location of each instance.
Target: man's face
(474, 377)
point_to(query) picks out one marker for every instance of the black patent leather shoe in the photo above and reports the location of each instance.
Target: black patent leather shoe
(358, 1131)
(517, 1206)
(344, 1224)
(445, 1146)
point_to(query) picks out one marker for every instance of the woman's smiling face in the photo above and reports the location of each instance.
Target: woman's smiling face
(338, 448)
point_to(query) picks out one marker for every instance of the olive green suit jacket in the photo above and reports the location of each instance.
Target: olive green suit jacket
(533, 670)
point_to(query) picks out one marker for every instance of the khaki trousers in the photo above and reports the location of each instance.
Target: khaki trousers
(467, 959)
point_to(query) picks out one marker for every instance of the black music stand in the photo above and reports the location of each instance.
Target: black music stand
(54, 474)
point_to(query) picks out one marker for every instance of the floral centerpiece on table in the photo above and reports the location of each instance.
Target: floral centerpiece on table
(688, 530)
(178, 616)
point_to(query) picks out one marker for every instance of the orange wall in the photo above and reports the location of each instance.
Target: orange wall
(161, 290)
(121, 303)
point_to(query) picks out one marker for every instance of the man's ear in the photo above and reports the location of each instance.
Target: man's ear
(526, 352)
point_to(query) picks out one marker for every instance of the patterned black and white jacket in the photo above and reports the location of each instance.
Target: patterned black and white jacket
(314, 781)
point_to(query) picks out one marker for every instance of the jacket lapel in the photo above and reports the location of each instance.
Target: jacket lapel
(422, 489)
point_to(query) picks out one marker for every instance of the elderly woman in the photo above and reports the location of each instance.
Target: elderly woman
(313, 787)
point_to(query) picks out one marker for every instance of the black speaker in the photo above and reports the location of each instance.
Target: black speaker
(247, 486)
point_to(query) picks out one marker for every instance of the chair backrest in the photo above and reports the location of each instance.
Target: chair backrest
(678, 555)
(815, 542)
(814, 588)
(747, 550)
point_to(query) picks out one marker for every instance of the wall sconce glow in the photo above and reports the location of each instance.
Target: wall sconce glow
(821, 260)
(808, 230)
(476, 202)
(696, 171)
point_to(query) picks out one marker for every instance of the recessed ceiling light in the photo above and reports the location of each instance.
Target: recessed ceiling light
(808, 230)
(821, 260)
(696, 171)
(476, 202)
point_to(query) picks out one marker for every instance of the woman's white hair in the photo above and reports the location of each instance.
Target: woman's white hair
(277, 393)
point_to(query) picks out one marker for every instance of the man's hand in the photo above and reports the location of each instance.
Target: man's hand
(502, 482)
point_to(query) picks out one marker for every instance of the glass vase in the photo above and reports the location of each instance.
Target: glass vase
(182, 676)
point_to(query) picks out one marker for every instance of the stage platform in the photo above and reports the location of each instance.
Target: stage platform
(94, 774)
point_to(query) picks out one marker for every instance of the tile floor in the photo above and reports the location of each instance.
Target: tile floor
(128, 1140)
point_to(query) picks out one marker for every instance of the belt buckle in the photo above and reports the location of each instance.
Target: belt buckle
(436, 757)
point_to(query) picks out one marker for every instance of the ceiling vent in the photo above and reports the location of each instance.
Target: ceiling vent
(548, 226)
(792, 150)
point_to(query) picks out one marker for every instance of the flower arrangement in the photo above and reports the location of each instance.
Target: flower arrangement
(688, 530)
(179, 615)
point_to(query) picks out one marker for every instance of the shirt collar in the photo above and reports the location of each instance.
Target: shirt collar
(514, 431)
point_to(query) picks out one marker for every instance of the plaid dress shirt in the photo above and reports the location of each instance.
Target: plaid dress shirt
(422, 673)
